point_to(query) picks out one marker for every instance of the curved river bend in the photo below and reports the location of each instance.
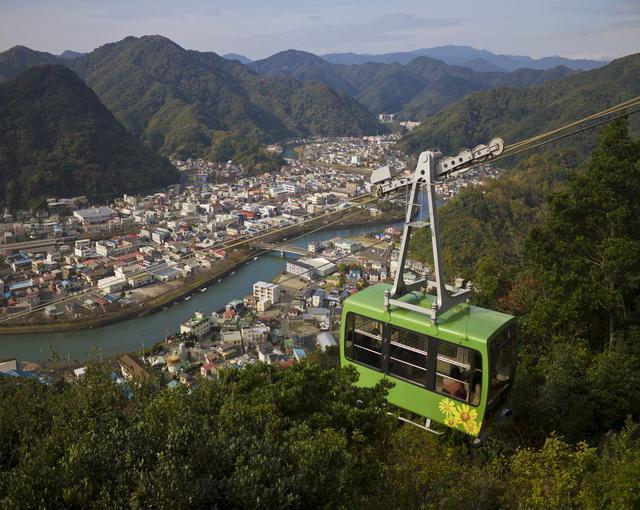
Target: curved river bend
(132, 334)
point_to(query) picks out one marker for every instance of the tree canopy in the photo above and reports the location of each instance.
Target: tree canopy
(58, 139)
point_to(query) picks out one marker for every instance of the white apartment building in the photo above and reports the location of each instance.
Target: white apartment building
(111, 284)
(265, 290)
(291, 187)
(95, 215)
(263, 305)
(198, 325)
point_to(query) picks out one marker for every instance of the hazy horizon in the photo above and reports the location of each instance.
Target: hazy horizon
(593, 29)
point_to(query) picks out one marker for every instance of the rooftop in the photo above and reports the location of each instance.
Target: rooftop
(462, 324)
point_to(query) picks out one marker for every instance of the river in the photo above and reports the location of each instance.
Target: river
(133, 334)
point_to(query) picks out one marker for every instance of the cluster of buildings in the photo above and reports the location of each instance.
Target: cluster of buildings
(389, 118)
(366, 151)
(474, 177)
(277, 323)
(270, 325)
(162, 237)
(107, 251)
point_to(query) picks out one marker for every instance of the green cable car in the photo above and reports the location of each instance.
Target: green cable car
(451, 362)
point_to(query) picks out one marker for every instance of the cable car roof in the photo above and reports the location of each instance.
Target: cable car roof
(464, 324)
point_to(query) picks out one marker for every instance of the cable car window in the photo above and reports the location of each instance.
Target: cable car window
(367, 325)
(363, 343)
(459, 372)
(502, 359)
(408, 355)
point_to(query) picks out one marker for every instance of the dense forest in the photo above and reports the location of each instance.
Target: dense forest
(560, 253)
(58, 139)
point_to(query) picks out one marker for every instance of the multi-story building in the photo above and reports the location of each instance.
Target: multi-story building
(198, 325)
(95, 215)
(291, 188)
(265, 290)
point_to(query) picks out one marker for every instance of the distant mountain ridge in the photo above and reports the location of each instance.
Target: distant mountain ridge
(414, 90)
(17, 59)
(517, 113)
(466, 56)
(68, 54)
(186, 103)
(236, 56)
(58, 139)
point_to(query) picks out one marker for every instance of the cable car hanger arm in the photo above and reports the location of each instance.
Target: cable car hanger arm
(431, 166)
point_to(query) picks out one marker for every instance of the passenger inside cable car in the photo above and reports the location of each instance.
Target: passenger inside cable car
(453, 386)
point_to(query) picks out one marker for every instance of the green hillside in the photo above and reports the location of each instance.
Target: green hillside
(181, 102)
(17, 59)
(517, 113)
(58, 139)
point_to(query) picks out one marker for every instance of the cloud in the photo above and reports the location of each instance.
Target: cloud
(214, 12)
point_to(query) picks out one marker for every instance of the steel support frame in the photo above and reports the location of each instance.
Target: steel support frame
(425, 174)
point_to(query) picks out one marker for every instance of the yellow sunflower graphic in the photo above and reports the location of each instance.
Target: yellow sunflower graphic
(471, 427)
(447, 406)
(451, 421)
(465, 414)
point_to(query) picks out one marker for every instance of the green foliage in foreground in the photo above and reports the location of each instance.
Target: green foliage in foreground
(267, 437)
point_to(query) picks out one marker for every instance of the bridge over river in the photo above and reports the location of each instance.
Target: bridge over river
(282, 248)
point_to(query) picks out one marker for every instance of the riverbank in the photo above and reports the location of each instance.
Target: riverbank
(172, 296)
(153, 305)
(136, 333)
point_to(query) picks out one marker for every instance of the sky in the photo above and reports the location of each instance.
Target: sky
(598, 29)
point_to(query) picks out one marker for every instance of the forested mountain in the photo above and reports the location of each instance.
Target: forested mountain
(302, 65)
(466, 56)
(517, 113)
(17, 59)
(187, 103)
(416, 89)
(57, 138)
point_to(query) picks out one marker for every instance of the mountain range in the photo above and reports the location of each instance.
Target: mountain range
(58, 139)
(413, 90)
(517, 113)
(186, 103)
(466, 56)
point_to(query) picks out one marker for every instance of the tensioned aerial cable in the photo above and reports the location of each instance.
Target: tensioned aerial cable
(591, 117)
(525, 145)
(613, 109)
